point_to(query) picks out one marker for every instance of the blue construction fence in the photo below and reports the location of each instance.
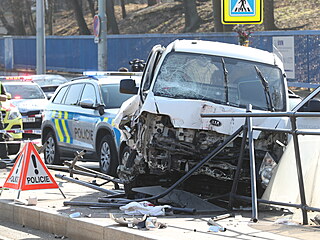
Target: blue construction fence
(79, 53)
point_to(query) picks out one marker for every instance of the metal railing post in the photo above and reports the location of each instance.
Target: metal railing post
(252, 167)
(239, 166)
(299, 169)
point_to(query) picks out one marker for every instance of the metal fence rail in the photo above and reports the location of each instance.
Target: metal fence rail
(248, 128)
(79, 53)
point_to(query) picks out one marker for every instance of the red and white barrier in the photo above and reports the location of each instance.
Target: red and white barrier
(31, 131)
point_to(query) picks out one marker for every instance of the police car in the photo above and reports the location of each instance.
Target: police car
(80, 116)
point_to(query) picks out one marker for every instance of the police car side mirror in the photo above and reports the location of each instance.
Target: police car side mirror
(100, 109)
(87, 103)
(128, 86)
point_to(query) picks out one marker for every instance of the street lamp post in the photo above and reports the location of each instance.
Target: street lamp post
(41, 47)
(102, 38)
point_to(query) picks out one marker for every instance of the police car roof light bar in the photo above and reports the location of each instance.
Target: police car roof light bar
(111, 73)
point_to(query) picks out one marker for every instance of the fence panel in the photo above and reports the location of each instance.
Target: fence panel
(79, 53)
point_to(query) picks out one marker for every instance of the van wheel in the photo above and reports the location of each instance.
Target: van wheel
(51, 152)
(108, 156)
(124, 155)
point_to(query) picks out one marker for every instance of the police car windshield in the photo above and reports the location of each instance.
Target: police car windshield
(25, 91)
(112, 97)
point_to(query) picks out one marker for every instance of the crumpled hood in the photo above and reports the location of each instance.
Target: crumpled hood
(186, 113)
(26, 105)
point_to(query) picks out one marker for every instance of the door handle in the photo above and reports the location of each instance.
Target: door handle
(76, 119)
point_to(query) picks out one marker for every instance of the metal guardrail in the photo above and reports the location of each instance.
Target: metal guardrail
(248, 129)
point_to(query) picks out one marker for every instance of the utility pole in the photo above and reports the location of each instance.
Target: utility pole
(102, 38)
(41, 46)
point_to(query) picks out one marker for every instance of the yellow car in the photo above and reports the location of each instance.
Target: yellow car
(12, 121)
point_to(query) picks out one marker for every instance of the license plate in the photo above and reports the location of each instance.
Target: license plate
(29, 119)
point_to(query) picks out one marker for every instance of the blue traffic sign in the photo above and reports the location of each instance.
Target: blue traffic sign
(242, 8)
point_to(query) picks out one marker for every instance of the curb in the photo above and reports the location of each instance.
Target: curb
(52, 222)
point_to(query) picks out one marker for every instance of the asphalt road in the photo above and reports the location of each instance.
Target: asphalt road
(15, 231)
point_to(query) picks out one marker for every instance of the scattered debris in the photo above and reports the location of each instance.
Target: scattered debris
(216, 227)
(31, 201)
(316, 219)
(144, 222)
(180, 198)
(286, 221)
(75, 215)
(223, 216)
(60, 236)
(144, 207)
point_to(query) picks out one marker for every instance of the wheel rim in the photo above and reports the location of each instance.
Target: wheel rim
(50, 151)
(125, 157)
(105, 156)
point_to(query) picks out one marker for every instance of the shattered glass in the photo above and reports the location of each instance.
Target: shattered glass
(199, 76)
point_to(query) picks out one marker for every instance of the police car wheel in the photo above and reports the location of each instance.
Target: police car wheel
(51, 152)
(107, 155)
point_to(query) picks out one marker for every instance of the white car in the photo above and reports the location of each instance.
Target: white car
(29, 98)
(164, 132)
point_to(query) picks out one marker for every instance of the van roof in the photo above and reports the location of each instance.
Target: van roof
(225, 50)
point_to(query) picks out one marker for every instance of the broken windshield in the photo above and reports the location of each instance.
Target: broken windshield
(199, 76)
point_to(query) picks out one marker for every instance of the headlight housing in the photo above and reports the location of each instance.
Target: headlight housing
(13, 114)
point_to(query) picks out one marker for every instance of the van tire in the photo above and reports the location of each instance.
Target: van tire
(51, 152)
(107, 155)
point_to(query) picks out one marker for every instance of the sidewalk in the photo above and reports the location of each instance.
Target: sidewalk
(51, 216)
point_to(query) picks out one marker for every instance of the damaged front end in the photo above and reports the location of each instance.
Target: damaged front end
(165, 135)
(165, 152)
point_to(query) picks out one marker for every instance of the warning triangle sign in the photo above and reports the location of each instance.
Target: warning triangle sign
(242, 6)
(29, 172)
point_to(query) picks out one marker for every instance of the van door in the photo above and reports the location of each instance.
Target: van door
(148, 73)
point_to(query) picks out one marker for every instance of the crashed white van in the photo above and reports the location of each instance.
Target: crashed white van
(164, 133)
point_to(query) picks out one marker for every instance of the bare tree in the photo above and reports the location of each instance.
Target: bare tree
(123, 9)
(91, 7)
(49, 16)
(83, 27)
(6, 24)
(192, 19)
(268, 21)
(16, 9)
(28, 16)
(218, 25)
(152, 2)
(112, 22)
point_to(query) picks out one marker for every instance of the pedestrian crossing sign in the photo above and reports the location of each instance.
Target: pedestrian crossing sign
(242, 11)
